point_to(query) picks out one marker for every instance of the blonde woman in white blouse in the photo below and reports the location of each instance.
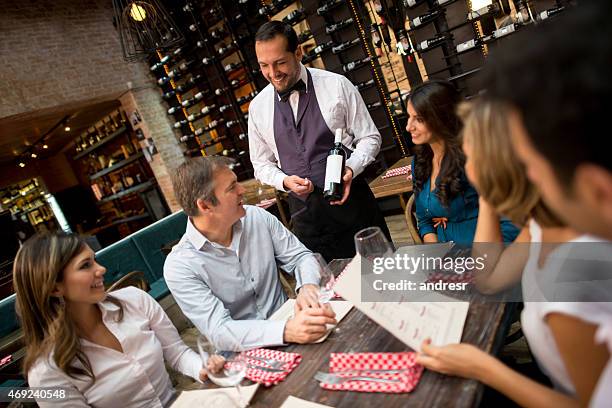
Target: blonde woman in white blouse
(106, 350)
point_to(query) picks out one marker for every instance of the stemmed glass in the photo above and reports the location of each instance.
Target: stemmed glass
(326, 280)
(371, 243)
(235, 368)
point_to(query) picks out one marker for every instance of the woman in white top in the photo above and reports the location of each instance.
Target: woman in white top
(561, 335)
(106, 350)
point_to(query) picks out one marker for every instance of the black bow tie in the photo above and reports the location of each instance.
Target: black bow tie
(298, 86)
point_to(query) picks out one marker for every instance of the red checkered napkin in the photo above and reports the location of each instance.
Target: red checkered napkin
(398, 171)
(405, 361)
(269, 378)
(467, 277)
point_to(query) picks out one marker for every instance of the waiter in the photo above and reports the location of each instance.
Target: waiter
(291, 130)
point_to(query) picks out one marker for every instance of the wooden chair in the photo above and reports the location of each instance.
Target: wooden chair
(410, 215)
(134, 278)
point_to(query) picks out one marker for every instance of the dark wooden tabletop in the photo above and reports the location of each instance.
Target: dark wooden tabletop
(392, 185)
(485, 327)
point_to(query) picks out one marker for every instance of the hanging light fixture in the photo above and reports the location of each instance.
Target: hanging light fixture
(144, 27)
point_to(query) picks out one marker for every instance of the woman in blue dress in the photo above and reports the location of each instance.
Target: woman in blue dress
(446, 203)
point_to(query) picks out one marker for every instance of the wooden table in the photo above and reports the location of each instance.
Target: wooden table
(397, 185)
(485, 327)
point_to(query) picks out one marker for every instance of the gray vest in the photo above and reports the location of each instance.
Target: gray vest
(302, 145)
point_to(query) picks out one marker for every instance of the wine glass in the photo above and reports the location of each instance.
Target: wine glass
(326, 280)
(235, 368)
(371, 243)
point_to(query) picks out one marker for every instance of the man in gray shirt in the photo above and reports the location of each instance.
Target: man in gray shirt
(223, 272)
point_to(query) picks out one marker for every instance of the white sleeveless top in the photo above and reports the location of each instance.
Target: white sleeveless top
(539, 336)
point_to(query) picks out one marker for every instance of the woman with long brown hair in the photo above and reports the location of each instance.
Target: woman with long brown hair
(446, 203)
(560, 333)
(107, 350)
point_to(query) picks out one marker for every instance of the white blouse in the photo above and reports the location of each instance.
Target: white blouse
(135, 378)
(535, 282)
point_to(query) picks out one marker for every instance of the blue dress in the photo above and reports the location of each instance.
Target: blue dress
(462, 215)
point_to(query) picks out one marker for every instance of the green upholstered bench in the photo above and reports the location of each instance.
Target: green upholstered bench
(141, 251)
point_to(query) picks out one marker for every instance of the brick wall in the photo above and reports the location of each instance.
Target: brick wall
(59, 52)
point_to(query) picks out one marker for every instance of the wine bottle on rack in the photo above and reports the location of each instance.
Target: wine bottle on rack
(345, 45)
(332, 28)
(197, 97)
(411, 3)
(223, 108)
(374, 105)
(169, 94)
(491, 9)
(425, 18)
(281, 4)
(441, 3)
(214, 124)
(242, 136)
(468, 45)
(546, 14)
(221, 91)
(181, 123)
(384, 30)
(431, 43)
(365, 84)
(304, 36)
(334, 170)
(231, 67)
(195, 116)
(327, 7)
(265, 10)
(226, 49)
(233, 123)
(376, 41)
(189, 83)
(208, 60)
(318, 50)
(294, 17)
(219, 33)
(174, 109)
(353, 65)
(165, 59)
(246, 98)
(208, 109)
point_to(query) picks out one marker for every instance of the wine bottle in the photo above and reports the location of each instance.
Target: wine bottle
(376, 41)
(242, 136)
(165, 59)
(265, 10)
(215, 124)
(425, 18)
(411, 3)
(181, 123)
(195, 116)
(169, 94)
(231, 67)
(546, 14)
(431, 43)
(376, 104)
(189, 83)
(207, 109)
(345, 45)
(365, 84)
(232, 123)
(195, 99)
(304, 36)
(468, 45)
(318, 50)
(334, 170)
(208, 60)
(174, 109)
(244, 99)
(223, 108)
(441, 3)
(327, 7)
(476, 15)
(330, 29)
(353, 65)
(213, 142)
(220, 91)
(226, 49)
(218, 34)
(294, 17)
(384, 30)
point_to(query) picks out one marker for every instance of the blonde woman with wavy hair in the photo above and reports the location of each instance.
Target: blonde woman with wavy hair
(105, 350)
(560, 334)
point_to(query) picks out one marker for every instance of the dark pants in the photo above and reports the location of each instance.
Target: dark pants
(330, 229)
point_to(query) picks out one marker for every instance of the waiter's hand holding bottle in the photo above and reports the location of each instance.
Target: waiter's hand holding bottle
(347, 178)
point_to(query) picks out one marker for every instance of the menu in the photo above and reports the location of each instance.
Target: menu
(412, 322)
